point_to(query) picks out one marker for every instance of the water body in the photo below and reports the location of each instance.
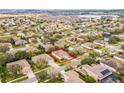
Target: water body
(96, 16)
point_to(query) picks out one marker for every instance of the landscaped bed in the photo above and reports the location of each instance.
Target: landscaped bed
(86, 78)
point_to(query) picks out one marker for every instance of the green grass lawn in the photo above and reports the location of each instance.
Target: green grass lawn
(18, 46)
(9, 78)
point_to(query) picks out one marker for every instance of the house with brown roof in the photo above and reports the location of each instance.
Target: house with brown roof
(98, 72)
(110, 64)
(73, 77)
(77, 48)
(100, 42)
(82, 38)
(45, 57)
(22, 63)
(72, 40)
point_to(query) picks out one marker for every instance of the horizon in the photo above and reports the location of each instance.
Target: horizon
(64, 4)
(62, 9)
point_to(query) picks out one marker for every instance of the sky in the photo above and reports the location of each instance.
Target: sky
(61, 4)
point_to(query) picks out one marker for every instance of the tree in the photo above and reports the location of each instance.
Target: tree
(3, 73)
(2, 27)
(41, 63)
(121, 71)
(121, 74)
(41, 48)
(122, 46)
(21, 55)
(117, 31)
(30, 54)
(113, 40)
(14, 70)
(4, 48)
(43, 76)
(42, 21)
(5, 58)
(88, 60)
(56, 78)
(53, 40)
(91, 38)
(94, 54)
(66, 47)
(122, 79)
(12, 41)
(55, 75)
(59, 36)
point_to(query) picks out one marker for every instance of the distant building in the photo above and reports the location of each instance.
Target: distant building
(72, 40)
(100, 42)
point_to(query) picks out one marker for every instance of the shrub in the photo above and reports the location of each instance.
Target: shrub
(21, 55)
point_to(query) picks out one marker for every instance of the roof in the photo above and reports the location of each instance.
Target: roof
(88, 44)
(121, 33)
(82, 37)
(22, 63)
(46, 57)
(111, 63)
(99, 70)
(104, 72)
(62, 54)
(99, 41)
(72, 39)
(78, 48)
(73, 77)
(5, 44)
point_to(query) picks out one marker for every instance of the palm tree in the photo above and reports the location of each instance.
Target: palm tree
(41, 63)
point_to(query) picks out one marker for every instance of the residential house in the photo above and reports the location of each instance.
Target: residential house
(72, 40)
(74, 63)
(20, 42)
(110, 64)
(100, 42)
(119, 57)
(45, 57)
(60, 54)
(77, 48)
(98, 72)
(47, 47)
(73, 77)
(23, 64)
(26, 48)
(82, 38)
(60, 44)
(8, 45)
(121, 36)
(88, 45)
